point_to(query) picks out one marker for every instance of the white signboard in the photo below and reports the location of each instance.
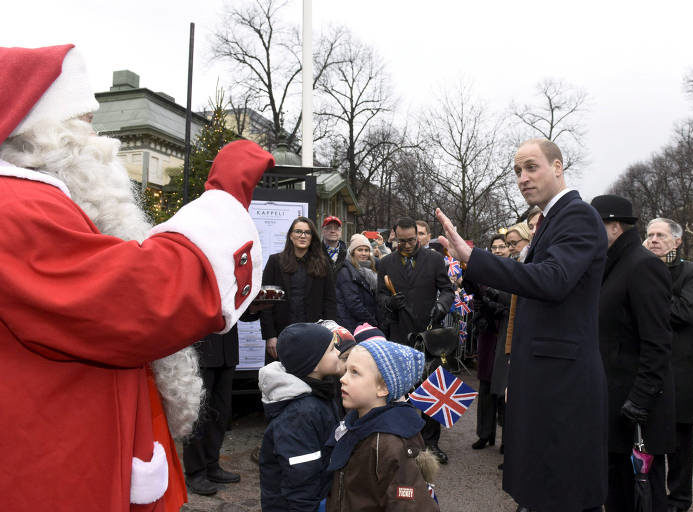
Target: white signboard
(273, 220)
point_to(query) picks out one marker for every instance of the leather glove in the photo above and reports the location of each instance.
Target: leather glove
(634, 413)
(438, 313)
(398, 301)
(238, 168)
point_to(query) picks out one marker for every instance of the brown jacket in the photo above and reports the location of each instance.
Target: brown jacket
(382, 475)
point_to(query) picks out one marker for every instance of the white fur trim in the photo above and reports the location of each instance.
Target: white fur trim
(149, 479)
(70, 95)
(219, 225)
(7, 169)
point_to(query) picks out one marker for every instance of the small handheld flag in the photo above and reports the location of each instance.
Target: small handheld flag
(444, 397)
(453, 266)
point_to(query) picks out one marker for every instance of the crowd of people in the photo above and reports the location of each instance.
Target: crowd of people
(584, 334)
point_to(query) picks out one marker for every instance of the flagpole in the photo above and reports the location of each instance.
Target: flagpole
(307, 91)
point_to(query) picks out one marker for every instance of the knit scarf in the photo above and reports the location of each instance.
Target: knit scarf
(368, 274)
(397, 418)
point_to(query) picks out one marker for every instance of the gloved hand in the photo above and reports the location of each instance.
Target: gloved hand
(438, 313)
(634, 412)
(398, 301)
(238, 168)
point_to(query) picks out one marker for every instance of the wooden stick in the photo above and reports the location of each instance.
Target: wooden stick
(389, 285)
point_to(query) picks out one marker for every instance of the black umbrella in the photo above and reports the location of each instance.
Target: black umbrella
(642, 462)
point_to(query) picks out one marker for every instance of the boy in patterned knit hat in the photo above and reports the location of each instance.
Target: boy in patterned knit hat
(378, 449)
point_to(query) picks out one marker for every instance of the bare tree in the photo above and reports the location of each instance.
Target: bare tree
(557, 114)
(467, 166)
(265, 56)
(356, 96)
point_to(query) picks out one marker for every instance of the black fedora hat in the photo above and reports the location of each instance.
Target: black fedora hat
(611, 207)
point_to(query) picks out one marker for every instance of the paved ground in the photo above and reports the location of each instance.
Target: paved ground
(470, 482)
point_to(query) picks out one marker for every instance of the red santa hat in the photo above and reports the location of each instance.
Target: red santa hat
(38, 84)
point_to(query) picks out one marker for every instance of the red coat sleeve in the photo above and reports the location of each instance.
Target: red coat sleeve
(72, 293)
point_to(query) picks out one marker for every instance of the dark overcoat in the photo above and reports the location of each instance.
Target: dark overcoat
(428, 282)
(355, 299)
(555, 431)
(635, 342)
(682, 343)
(320, 299)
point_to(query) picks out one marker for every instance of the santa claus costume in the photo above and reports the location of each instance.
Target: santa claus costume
(91, 295)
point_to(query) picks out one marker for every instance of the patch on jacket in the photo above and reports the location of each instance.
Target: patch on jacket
(405, 493)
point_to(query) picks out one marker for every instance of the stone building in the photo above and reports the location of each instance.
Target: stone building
(150, 126)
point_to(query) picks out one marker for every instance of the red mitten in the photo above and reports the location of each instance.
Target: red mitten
(237, 168)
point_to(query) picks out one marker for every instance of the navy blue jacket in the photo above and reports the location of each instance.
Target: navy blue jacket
(556, 416)
(293, 457)
(355, 299)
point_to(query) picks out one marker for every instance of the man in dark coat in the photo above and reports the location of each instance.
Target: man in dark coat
(424, 295)
(335, 248)
(218, 355)
(635, 341)
(555, 435)
(664, 240)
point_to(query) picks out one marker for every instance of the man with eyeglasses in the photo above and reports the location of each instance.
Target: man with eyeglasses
(335, 247)
(423, 295)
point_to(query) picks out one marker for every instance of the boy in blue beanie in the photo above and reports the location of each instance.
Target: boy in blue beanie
(378, 448)
(302, 415)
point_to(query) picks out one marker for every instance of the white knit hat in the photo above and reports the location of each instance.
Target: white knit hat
(358, 240)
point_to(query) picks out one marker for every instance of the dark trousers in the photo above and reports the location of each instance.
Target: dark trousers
(430, 431)
(622, 484)
(487, 405)
(201, 450)
(680, 475)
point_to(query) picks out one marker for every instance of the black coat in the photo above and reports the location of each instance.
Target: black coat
(355, 299)
(341, 257)
(219, 350)
(635, 342)
(682, 343)
(421, 289)
(555, 430)
(320, 300)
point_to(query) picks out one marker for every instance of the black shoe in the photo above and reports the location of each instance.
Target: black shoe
(201, 485)
(479, 444)
(438, 454)
(221, 476)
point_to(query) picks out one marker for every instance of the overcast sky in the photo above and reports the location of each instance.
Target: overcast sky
(630, 56)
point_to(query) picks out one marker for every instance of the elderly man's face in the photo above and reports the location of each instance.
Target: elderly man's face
(537, 178)
(332, 232)
(660, 240)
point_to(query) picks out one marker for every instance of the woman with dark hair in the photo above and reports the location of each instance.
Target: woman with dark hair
(357, 282)
(304, 273)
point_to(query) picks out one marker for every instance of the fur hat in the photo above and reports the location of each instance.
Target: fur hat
(358, 240)
(400, 366)
(38, 84)
(301, 346)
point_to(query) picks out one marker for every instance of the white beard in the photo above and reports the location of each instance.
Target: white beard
(99, 184)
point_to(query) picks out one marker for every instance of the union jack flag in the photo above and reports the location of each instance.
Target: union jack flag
(444, 397)
(461, 304)
(463, 332)
(454, 268)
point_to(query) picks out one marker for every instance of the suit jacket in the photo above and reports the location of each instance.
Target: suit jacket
(320, 299)
(682, 344)
(635, 341)
(556, 435)
(421, 289)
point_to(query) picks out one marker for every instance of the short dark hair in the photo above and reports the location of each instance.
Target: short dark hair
(404, 223)
(551, 151)
(497, 236)
(424, 224)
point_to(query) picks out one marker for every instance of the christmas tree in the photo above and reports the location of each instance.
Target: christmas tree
(214, 136)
